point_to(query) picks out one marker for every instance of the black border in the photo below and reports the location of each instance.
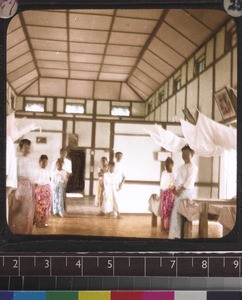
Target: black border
(34, 243)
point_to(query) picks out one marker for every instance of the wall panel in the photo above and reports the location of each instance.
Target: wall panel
(84, 131)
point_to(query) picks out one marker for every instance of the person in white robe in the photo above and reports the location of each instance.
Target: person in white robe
(186, 177)
(59, 180)
(66, 162)
(119, 170)
(110, 201)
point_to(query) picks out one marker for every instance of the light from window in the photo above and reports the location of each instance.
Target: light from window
(177, 84)
(161, 97)
(35, 107)
(75, 109)
(201, 65)
(120, 111)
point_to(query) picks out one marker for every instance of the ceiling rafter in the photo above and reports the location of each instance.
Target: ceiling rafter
(144, 83)
(149, 40)
(21, 18)
(198, 20)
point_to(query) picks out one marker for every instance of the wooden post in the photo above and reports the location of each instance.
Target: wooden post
(187, 229)
(226, 230)
(154, 220)
(203, 221)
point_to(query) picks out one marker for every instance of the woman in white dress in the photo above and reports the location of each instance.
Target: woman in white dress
(186, 177)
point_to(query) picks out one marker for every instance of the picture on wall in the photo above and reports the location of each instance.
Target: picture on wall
(224, 103)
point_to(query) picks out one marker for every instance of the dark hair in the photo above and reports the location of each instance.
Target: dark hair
(60, 161)
(104, 158)
(63, 149)
(187, 148)
(118, 153)
(169, 161)
(42, 157)
(24, 142)
(111, 164)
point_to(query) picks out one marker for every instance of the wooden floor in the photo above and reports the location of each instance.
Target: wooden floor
(82, 219)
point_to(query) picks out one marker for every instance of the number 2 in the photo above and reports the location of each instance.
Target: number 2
(15, 264)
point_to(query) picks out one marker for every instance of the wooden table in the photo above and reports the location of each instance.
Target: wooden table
(204, 209)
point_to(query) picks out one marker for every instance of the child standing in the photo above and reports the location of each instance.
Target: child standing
(167, 188)
(59, 181)
(110, 202)
(100, 184)
(42, 193)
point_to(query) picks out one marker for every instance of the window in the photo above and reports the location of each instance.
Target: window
(177, 84)
(199, 66)
(74, 109)
(120, 111)
(230, 39)
(161, 97)
(34, 107)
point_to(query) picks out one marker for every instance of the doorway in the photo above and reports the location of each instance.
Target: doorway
(76, 182)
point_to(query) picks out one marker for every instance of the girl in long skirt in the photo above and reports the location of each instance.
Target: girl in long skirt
(167, 188)
(59, 180)
(100, 184)
(42, 193)
(22, 207)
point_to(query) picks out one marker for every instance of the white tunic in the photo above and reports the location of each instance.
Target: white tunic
(119, 171)
(42, 176)
(67, 166)
(187, 174)
(26, 167)
(167, 180)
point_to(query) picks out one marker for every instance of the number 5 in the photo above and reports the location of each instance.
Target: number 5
(110, 264)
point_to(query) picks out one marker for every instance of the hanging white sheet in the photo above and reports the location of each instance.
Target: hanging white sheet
(207, 138)
(166, 139)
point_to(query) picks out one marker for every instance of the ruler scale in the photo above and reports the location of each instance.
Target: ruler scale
(118, 265)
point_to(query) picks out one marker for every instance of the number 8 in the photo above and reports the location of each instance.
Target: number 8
(204, 264)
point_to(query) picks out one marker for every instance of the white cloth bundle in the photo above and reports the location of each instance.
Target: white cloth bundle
(207, 138)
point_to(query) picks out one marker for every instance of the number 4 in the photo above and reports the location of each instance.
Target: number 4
(78, 263)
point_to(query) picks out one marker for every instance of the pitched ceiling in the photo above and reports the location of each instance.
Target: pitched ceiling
(103, 54)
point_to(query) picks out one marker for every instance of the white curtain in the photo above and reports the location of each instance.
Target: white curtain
(14, 132)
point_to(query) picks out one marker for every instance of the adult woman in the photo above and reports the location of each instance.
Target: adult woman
(184, 190)
(42, 193)
(21, 214)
